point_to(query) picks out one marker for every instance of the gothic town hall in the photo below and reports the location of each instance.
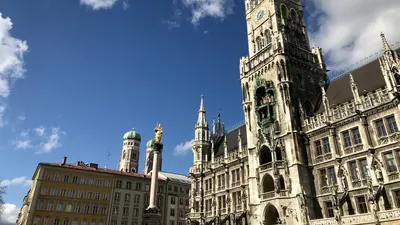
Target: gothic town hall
(311, 151)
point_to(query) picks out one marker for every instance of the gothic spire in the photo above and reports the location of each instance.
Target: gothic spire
(386, 46)
(201, 120)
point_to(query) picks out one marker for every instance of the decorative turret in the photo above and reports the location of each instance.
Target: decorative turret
(200, 145)
(356, 95)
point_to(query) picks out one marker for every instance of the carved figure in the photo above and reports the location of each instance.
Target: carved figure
(277, 185)
(159, 132)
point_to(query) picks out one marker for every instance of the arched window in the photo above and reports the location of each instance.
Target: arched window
(244, 93)
(293, 15)
(123, 155)
(282, 183)
(268, 38)
(259, 43)
(278, 154)
(265, 155)
(284, 11)
(267, 183)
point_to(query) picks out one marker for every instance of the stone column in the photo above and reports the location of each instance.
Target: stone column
(157, 148)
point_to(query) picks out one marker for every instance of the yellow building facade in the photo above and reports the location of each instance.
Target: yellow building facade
(68, 194)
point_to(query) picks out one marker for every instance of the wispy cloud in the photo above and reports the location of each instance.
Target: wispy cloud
(183, 148)
(9, 214)
(125, 5)
(21, 118)
(12, 51)
(171, 24)
(43, 139)
(348, 31)
(16, 181)
(200, 9)
(99, 4)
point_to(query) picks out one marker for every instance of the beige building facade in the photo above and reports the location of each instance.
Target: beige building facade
(311, 151)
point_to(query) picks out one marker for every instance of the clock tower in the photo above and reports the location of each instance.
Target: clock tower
(282, 79)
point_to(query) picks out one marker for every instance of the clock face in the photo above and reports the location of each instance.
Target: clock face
(260, 14)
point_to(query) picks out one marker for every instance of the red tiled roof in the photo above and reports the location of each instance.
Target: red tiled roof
(101, 170)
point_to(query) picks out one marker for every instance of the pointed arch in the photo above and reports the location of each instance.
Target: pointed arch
(293, 15)
(244, 93)
(278, 154)
(259, 43)
(265, 155)
(268, 38)
(284, 11)
(282, 182)
(271, 215)
(267, 183)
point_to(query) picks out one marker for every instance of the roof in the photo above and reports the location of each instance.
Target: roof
(132, 135)
(232, 140)
(100, 170)
(367, 78)
(175, 177)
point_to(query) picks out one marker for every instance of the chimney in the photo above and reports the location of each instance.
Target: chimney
(64, 161)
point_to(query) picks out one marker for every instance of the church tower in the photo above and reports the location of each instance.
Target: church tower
(129, 161)
(281, 81)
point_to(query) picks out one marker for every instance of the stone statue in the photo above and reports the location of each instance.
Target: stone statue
(378, 172)
(303, 206)
(277, 185)
(159, 132)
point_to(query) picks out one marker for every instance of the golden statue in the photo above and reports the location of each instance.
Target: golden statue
(159, 132)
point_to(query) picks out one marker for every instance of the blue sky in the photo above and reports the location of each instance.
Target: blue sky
(80, 74)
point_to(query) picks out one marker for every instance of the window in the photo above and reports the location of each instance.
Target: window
(56, 221)
(115, 210)
(175, 188)
(125, 211)
(128, 185)
(53, 192)
(127, 197)
(108, 183)
(83, 180)
(136, 212)
(364, 168)
(161, 189)
(50, 205)
(180, 201)
(171, 222)
(60, 207)
(74, 179)
(147, 187)
(329, 209)
(40, 205)
(169, 188)
(66, 178)
(318, 147)
(103, 210)
(380, 128)
(138, 186)
(390, 162)
(362, 204)
(43, 191)
(172, 200)
(71, 193)
(117, 196)
(66, 221)
(63, 192)
(332, 175)
(396, 195)
(99, 182)
(89, 195)
(137, 198)
(351, 137)
(119, 184)
(57, 177)
(391, 122)
(94, 209)
(81, 194)
(172, 212)
(326, 145)
(86, 209)
(159, 201)
(322, 177)
(78, 208)
(181, 189)
(105, 196)
(91, 181)
(97, 196)
(69, 207)
(353, 171)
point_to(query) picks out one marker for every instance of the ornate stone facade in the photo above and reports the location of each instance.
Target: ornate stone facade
(311, 151)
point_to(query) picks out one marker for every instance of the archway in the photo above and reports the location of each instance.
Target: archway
(194, 222)
(265, 155)
(267, 183)
(271, 215)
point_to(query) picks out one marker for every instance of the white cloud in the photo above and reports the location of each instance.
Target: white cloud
(99, 4)
(125, 5)
(183, 148)
(9, 214)
(40, 131)
(12, 52)
(201, 9)
(23, 144)
(21, 118)
(349, 31)
(16, 181)
(171, 24)
(39, 139)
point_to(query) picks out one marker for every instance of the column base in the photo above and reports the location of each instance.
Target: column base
(152, 216)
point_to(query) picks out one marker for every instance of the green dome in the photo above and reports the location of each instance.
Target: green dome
(132, 135)
(150, 143)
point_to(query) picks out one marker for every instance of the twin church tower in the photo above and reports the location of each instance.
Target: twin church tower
(129, 161)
